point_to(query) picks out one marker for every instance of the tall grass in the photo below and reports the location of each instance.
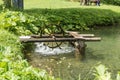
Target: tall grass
(12, 66)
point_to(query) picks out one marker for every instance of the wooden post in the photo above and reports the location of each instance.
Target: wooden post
(80, 49)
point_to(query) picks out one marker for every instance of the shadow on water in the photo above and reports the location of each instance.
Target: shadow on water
(67, 67)
(90, 55)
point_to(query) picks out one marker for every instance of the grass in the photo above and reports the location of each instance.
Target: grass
(1, 2)
(53, 4)
(49, 4)
(106, 51)
(56, 4)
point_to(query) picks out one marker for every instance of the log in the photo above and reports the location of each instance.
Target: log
(48, 39)
(86, 35)
(29, 39)
(48, 36)
(77, 34)
(92, 39)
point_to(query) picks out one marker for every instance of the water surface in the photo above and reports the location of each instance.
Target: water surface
(68, 67)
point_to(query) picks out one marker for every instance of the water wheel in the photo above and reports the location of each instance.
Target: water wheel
(53, 32)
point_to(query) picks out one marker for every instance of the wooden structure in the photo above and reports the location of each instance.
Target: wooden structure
(74, 38)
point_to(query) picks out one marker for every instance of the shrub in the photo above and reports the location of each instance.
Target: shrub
(113, 2)
(102, 73)
(17, 22)
(69, 19)
(12, 65)
(77, 19)
(7, 40)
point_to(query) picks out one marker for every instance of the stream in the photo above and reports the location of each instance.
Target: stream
(63, 62)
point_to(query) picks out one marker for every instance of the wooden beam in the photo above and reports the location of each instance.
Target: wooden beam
(75, 34)
(85, 37)
(47, 39)
(48, 36)
(58, 39)
(92, 39)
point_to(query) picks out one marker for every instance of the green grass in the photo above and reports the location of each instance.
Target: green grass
(49, 4)
(53, 4)
(106, 51)
(1, 2)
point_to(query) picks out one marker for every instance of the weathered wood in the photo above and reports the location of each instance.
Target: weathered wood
(91, 39)
(48, 39)
(57, 39)
(85, 37)
(76, 39)
(80, 44)
(48, 36)
(75, 34)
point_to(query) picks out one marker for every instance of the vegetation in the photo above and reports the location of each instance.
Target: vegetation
(113, 2)
(12, 65)
(17, 22)
(69, 19)
(102, 73)
(57, 4)
(73, 19)
(12, 24)
(7, 3)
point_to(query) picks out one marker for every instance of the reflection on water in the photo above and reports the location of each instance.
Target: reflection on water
(67, 67)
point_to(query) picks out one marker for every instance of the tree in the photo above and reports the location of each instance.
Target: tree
(13, 4)
(7, 3)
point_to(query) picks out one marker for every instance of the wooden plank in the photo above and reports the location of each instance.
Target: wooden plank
(71, 31)
(47, 39)
(92, 39)
(58, 39)
(77, 34)
(87, 35)
(48, 36)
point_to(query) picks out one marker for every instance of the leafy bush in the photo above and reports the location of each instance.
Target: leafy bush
(17, 22)
(69, 19)
(113, 2)
(102, 73)
(7, 40)
(12, 65)
(77, 19)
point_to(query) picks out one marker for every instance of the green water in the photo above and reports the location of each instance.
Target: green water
(68, 67)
